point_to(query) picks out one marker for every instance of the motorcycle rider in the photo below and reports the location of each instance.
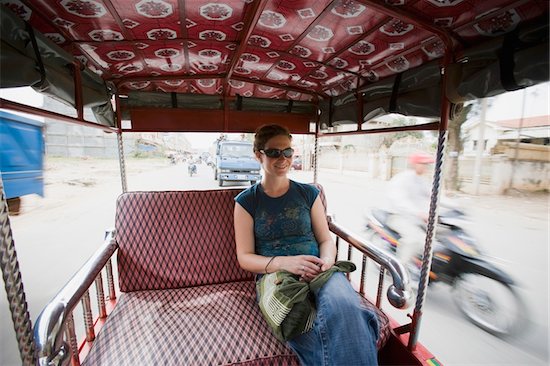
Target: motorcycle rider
(408, 200)
(192, 168)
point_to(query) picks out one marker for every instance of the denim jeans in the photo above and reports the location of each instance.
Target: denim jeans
(345, 331)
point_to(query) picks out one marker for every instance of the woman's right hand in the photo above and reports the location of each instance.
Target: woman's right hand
(305, 266)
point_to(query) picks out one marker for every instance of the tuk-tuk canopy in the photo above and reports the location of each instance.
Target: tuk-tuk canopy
(338, 61)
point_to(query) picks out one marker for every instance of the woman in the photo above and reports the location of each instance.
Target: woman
(281, 225)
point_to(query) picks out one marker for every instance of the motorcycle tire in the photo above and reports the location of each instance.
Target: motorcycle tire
(490, 304)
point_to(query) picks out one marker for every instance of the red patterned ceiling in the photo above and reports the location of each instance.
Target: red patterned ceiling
(296, 49)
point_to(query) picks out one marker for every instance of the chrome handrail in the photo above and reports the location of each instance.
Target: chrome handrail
(399, 293)
(50, 348)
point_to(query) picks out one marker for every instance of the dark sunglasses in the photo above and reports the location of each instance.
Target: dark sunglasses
(276, 153)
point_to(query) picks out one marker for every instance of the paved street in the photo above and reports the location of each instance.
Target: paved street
(56, 234)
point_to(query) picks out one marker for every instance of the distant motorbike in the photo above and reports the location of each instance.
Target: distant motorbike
(191, 169)
(485, 294)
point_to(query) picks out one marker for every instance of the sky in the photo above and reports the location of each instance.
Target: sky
(502, 107)
(509, 105)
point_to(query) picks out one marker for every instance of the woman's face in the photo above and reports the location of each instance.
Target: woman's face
(276, 166)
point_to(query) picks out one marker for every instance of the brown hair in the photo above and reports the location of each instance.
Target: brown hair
(266, 132)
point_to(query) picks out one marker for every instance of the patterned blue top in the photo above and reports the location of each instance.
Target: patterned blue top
(282, 225)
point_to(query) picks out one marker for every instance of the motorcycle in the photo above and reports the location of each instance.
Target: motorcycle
(191, 169)
(485, 294)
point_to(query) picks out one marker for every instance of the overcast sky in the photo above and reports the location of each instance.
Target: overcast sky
(509, 105)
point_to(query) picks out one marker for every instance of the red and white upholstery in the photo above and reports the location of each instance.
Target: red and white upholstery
(186, 301)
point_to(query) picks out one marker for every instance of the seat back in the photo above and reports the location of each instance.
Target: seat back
(176, 239)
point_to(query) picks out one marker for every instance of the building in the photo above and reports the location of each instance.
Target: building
(532, 130)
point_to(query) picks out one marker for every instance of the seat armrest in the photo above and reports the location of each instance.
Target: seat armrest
(398, 294)
(50, 325)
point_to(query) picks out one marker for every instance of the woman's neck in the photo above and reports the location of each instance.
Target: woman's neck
(275, 186)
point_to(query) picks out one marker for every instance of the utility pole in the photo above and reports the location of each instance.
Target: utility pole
(480, 146)
(518, 139)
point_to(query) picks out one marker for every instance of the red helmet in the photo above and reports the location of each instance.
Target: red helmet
(421, 158)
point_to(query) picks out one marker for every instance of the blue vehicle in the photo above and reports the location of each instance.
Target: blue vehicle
(21, 158)
(235, 161)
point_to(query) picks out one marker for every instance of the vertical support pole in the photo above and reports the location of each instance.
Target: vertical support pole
(380, 286)
(480, 148)
(350, 248)
(316, 155)
(432, 218)
(71, 336)
(88, 320)
(363, 274)
(78, 90)
(121, 162)
(13, 284)
(110, 280)
(120, 145)
(359, 97)
(100, 296)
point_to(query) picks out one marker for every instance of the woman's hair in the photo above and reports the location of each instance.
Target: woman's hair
(266, 132)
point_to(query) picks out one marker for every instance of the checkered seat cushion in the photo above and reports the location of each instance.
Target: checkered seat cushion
(186, 301)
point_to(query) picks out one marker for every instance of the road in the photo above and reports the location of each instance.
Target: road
(56, 234)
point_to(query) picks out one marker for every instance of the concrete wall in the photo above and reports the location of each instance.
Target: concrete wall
(63, 139)
(498, 173)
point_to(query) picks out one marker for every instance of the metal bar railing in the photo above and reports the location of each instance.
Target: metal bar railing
(71, 337)
(100, 296)
(398, 293)
(54, 330)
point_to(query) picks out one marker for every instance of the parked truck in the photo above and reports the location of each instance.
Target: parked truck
(235, 161)
(21, 158)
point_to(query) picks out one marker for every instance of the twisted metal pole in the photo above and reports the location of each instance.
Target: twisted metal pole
(316, 154)
(122, 162)
(14, 285)
(434, 203)
(120, 145)
(430, 233)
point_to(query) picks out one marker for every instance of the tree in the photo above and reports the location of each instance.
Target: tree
(454, 145)
(390, 138)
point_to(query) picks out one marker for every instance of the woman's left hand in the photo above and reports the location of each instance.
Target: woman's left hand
(327, 263)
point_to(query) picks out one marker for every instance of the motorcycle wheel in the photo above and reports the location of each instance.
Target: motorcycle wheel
(492, 305)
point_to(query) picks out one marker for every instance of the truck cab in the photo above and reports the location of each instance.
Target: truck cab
(235, 161)
(21, 158)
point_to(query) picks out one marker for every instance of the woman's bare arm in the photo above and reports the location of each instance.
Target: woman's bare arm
(327, 247)
(244, 239)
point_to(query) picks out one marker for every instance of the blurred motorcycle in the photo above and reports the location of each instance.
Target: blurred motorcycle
(191, 169)
(485, 294)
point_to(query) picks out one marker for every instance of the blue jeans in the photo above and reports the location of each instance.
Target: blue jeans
(344, 332)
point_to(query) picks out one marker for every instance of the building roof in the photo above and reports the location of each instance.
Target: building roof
(538, 121)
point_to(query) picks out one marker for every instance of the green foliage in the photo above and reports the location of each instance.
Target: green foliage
(389, 139)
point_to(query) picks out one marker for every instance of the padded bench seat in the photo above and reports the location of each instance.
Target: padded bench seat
(185, 300)
(206, 325)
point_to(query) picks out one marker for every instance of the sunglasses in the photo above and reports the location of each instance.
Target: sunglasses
(276, 153)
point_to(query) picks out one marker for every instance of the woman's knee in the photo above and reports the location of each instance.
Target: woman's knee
(338, 294)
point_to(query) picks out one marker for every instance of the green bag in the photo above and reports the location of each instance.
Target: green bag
(287, 303)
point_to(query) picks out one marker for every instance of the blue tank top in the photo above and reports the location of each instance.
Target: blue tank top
(282, 225)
